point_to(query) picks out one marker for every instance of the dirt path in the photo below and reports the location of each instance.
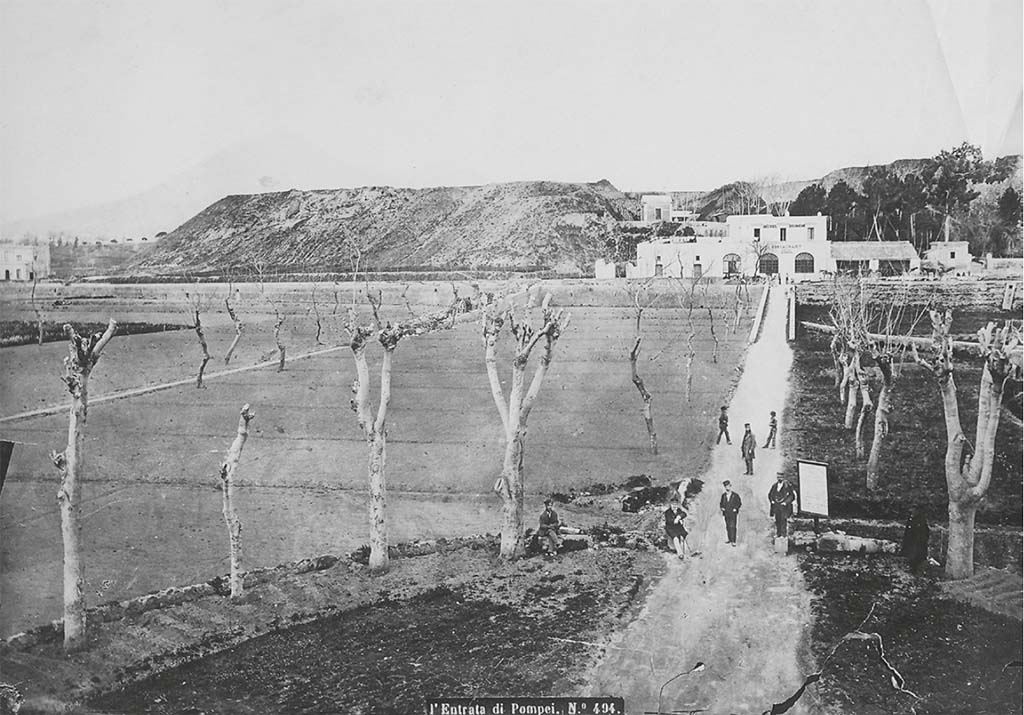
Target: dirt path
(742, 611)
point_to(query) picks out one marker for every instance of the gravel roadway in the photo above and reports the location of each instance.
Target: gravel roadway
(742, 611)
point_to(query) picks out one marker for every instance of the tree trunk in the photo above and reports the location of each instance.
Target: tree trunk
(238, 331)
(865, 411)
(512, 497)
(379, 560)
(69, 498)
(198, 325)
(646, 396)
(851, 401)
(277, 341)
(960, 546)
(231, 520)
(881, 432)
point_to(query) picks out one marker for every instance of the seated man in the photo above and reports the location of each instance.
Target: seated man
(675, 532)
(547, 532)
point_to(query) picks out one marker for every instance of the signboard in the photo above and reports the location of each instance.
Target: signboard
(526, 706)
(813, 487)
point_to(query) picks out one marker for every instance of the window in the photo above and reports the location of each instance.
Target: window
(769, 264)
(810, 233)
(782, 234)
(803, 263)
(952, 254)
(757, 234)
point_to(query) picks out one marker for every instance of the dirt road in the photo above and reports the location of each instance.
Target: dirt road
(742, 611)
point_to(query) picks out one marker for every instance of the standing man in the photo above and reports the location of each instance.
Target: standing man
(675, 532)
(548, 529)
(730, 505)
(723, 427)
(747, 448)
(780, 499)
(773, 426)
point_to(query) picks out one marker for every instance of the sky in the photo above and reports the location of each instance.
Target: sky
(101, 100)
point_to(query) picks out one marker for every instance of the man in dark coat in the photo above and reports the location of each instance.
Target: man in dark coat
(547, 532)
(915, 541)
(675, 531)
(747, 448)
(723, 427)
(780, 499)
(730, 505)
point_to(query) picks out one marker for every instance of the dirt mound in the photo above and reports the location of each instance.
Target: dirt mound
(513, 225)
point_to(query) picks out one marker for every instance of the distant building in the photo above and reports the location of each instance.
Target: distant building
(24, 262)
(655, 207)
(889, 258)
(795, 247)
(952, 256)
(604, 269)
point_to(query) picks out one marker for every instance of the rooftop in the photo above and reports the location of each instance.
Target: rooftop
(866, 250)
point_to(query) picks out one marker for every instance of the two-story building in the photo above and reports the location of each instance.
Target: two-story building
(21, 262)
(795, 247)
(655, 207)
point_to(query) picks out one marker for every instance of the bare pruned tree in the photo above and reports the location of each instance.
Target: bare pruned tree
(227, 482)
(374, 425)
(515, 410)
(40, 315)
(315, 309)
(969, 470)
(198, 302)
(233, 294)
(643, 296)
(83, 353)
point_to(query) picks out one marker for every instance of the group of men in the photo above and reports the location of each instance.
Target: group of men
(780, 499)
(749, 443)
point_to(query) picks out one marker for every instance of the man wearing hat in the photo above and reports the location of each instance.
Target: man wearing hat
(730, 505)
(747, 448)
(547, 532)
(675, 531)
(780, 498)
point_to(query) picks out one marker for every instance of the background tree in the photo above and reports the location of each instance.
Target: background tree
(227, 481)
(810, 201)
(515, 411)
(969, 471)
(643, 297)
(199, 302)
(83, 354)
(233, 294)
(841, 205)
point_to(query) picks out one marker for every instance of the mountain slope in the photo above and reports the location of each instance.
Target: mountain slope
(518, 224)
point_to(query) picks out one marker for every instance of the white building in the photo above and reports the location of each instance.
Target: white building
(24, 262)
(655, 207)
(795, 247)
(952, 256)
(889, 258)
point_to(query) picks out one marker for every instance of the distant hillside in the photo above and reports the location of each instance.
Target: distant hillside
(555, 225)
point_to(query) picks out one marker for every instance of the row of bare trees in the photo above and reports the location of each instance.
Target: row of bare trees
(691, 296)
(881, 337)
(536, 326)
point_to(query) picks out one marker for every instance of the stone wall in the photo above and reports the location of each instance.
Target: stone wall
(953, 293)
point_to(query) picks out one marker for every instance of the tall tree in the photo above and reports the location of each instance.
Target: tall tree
(842, 203)
(515, 410)
(969, 471)
(374, 426)
(810, 201)
(83, 353)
